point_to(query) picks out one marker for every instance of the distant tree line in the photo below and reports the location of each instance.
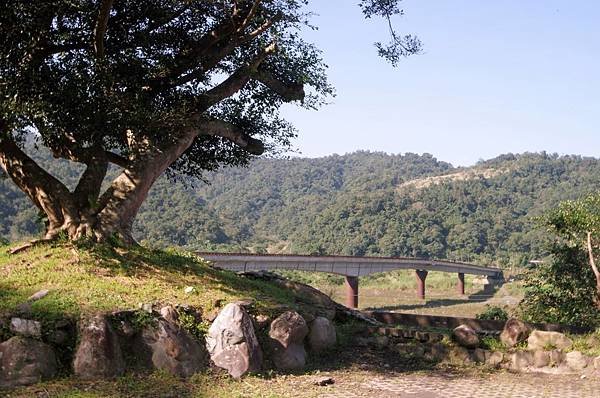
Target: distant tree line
(362, 203)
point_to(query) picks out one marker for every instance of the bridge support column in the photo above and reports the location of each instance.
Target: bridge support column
(421, 276)
(352, 291)
(461, 284)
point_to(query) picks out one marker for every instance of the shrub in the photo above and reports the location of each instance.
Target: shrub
(492, 313)
(564, 290)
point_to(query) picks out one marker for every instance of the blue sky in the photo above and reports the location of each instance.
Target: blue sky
(494, 77)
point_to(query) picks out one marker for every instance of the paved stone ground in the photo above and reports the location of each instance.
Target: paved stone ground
(497, 385)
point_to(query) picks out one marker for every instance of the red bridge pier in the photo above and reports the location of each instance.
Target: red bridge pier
(352, 291)
(461, 284)
(421, 276)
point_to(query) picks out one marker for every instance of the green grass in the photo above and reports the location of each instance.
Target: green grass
(399, 279)
(85, 279)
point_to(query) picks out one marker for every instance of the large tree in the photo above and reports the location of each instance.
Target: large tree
(150, 86)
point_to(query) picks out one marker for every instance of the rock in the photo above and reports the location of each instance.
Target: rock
(597, 363)
(189, 289)
(515, 332)
(288, 328)
(25, 361)
(460, 355)
(413, 350)
(98, 355)
(169, 314)
(479, 355)
(494, 359)
(437, 352)
(24, 308)
(465, 336)
(172, 349)
(26, 327)
(38, 295)
(58, 337)
(287, 333)
(521, 360)
(147, 307)
(126, 328)
(541, 359)
(232, 343)
(360, 341)
(262, 321)
(324, 381)
(539, 340)
(380, 342)
(557, 357)
(212, 315)
(576, 360)
(321, 336)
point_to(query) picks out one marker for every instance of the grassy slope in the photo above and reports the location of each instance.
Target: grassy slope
(83, 280)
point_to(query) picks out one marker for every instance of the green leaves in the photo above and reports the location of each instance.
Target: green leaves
(564, 291)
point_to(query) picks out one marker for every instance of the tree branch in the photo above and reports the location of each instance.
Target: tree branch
(289, 92)
(232, 133)
(249, 16)
(119, 160)
(45, 191)
(88, 188)
(592, 260)
(236, 81)
(100, 29)
(192, 54)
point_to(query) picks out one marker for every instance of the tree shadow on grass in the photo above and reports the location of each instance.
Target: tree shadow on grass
(478, 297)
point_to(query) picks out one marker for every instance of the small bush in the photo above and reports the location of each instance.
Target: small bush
(190, 323)
(493, 314)
(492, 344)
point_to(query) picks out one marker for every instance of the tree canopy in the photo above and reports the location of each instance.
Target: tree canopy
(151, 86)
(567, 289)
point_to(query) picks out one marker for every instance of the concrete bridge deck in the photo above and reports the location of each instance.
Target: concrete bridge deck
(351, 267)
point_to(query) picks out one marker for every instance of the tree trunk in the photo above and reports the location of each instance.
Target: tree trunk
(590, 249)
(121, 202)
(83, 213)
(45, 191)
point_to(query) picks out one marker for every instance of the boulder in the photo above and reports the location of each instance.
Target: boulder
(515, 332)
(557, 357)
(98, 355)
(25, 361)
(26, 327)
(379, 342)
(38, 295)
(288, 328)
(169, 314)
(479, 355)
(59, 337)
(170, 348)
(465, 336)
(539, 340)
(541, 359)
(232, 343)
(459, 356)
(437, 352)
(597, 363)
(576, 360)
(520, 361)
(287, 333)
(494, 359)
(321, 336)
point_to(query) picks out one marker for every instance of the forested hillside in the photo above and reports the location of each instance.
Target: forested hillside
(360, 204)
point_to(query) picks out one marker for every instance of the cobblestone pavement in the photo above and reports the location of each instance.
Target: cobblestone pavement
(502, 385)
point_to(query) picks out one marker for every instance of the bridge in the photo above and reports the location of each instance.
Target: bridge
(353, 267)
